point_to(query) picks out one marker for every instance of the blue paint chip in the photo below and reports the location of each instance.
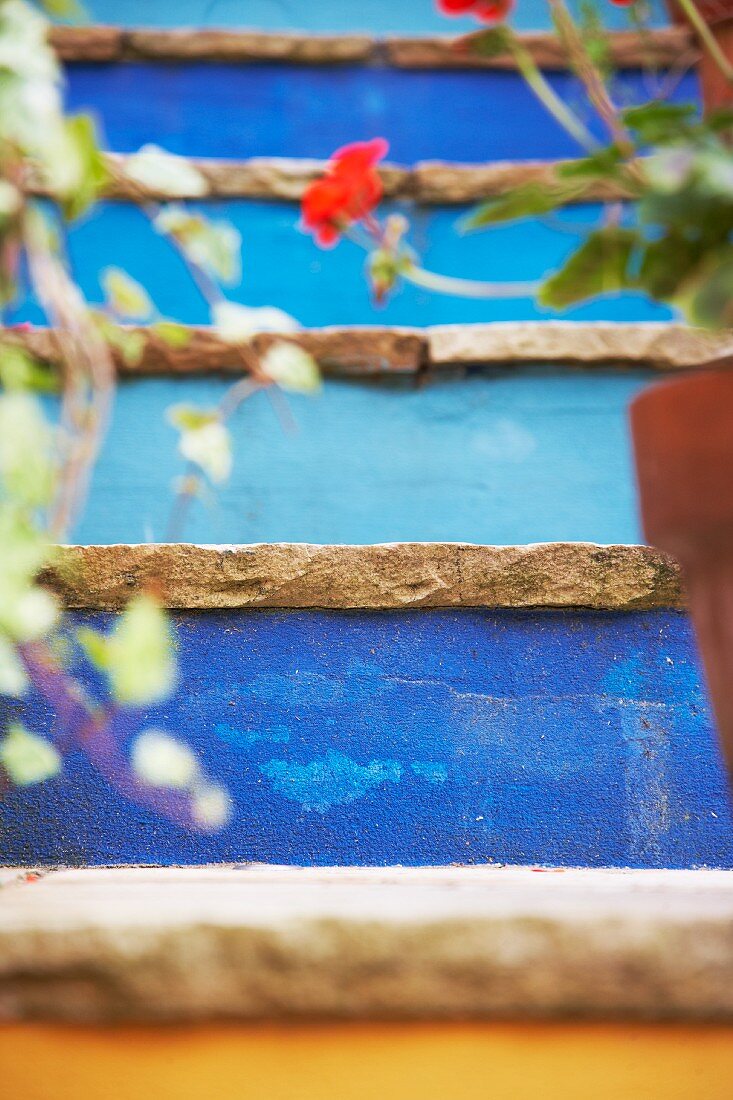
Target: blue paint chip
(330, 780)
(427, 769)
(245, 738)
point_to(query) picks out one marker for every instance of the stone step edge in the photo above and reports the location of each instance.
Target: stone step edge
(286, 179)
(289, 943)
(665, 46)
(367, 351)
(187, 576)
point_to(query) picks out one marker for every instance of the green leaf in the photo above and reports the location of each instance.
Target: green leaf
(164, 174)
(707, 296)
(190, 417)
(172, 334)
(13, 677)
(599, 266)
(27, 469)
(26, 611)
(95, 646)
(19, 370)
(292, 368)
(141, 666)
(212, 806)
(489, 43)
(210, 448)
(84, 174)
(161, 761)
(236, 324)
(666, 263)
(27, 758)
(126, 297)
(525, 201)
(64, 9)
(659, 122)
(214, 246)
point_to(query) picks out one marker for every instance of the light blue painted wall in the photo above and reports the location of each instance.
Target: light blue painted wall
(376, 16)
(518, 456)
(284, 267)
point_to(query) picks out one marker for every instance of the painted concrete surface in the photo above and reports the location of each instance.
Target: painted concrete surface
(430, 737)
(221, 110)
(375, 16)
(513, 1061)
(503, 457)
(284, 267)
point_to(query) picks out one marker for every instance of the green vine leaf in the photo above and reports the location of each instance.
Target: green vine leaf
(599, 266)
(27, 758)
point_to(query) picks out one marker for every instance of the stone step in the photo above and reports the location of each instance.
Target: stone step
(403, 945)
(371, 350)
(403, 704)
(659, 47)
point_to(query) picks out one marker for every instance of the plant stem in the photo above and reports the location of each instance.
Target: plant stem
(465, 288)
(707, 38)
(549, 98)
(587, 70)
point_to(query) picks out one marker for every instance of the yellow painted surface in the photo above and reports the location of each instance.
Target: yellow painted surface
(368, 1062)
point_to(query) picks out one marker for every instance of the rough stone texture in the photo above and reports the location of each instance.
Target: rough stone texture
(437, 182)
(377, 351)
(661, 47)
(428, 182)
(87, 43)
(221, 45)
(100, 43)
(396, 943)
(402, 575)
(657, 344)
(340, 352)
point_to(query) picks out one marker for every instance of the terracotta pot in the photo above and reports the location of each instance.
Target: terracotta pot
(718, 14)
(683, 440)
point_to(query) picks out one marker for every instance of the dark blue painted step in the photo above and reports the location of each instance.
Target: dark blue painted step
(519, 456)
(284, 267)
(421, 737)
(241, 111)
(376, 16)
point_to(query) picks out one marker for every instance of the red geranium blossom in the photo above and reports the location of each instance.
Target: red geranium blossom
(348, 192)
(489, 11)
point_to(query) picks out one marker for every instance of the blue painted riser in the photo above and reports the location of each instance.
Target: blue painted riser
(219, 110)
(376, 16)
(506, 457)
(421, 737)
(283, 267)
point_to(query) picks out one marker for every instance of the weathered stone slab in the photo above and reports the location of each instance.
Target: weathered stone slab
(225, 45)
(373, 350)
(428, 183)
(401, 944)
(88, 43)
(358, 351)
(437, 182)
(657, 344)
(398, 575)
(629, 50)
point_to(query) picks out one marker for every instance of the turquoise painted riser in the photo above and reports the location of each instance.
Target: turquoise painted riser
(375, 16)
(417, 737)
(523, 456)
(230, 110)
(283, 267)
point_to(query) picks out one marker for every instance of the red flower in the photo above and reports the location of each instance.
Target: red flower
(489, 11)
(347, 193)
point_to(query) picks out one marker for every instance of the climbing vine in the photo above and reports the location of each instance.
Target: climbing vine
(53, 424)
